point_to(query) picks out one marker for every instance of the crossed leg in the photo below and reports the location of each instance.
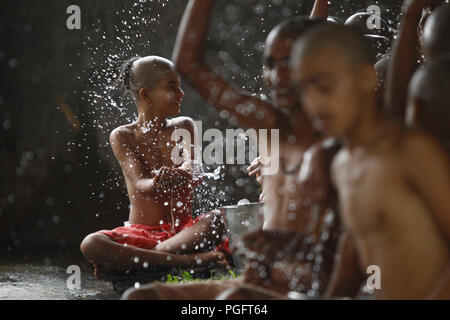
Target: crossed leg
(205, 235)
(108, 255)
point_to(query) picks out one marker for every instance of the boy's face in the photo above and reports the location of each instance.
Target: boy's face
(167, 94)
(276, 70)
(330, 92)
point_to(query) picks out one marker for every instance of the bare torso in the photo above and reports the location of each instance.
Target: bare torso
(153, 150)
(298, 194)
(392, 225)
(280, 191)
(300, 199)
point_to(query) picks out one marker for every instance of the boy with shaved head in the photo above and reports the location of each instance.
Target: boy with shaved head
(393, 183)
(161, 232)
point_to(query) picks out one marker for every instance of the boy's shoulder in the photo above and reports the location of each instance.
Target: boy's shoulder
(122, 133)
(409, 141)
(402, 140)
(183, 123)
(412, 149)
(420, 145)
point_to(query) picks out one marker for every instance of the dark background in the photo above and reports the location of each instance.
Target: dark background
(60, 182)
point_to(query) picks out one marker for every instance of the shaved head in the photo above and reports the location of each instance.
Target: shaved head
(436, 32)
(293, 28)
(138, 72)
(276, 57)
(342, 41)
(430, 89)
(333, 74)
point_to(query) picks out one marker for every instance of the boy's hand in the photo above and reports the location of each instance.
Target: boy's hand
(167, 178)
(180, 177)
(160, 177)
(255, 170)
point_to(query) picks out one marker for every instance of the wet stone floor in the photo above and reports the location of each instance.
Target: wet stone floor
(41, 281)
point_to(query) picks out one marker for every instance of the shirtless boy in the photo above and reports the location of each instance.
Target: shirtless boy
(285, 113)
(393, 183)
(162, 232)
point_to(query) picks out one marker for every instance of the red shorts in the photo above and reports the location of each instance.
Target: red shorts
(148, 237)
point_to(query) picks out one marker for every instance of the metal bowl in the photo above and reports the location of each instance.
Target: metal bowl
(240, 220)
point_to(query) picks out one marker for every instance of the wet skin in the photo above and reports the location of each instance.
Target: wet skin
(392, 193)
(159, 190)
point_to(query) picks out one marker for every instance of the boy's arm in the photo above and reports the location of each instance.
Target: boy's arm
(131, 165)
(346, 278)
(188, 57)
(405, 56)
(320, 9)
(192, 158)
(429, 170)
(192, 146)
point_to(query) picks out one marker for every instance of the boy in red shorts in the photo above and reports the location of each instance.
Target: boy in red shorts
(161, 233)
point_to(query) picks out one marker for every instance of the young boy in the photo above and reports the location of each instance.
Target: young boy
(285, 113)
(393, 183)
(161, 231)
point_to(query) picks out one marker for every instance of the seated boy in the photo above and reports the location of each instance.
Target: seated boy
(393, 183)
(161, 231)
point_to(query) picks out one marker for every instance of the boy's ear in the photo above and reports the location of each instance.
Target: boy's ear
(413, 112)
(143, 94)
